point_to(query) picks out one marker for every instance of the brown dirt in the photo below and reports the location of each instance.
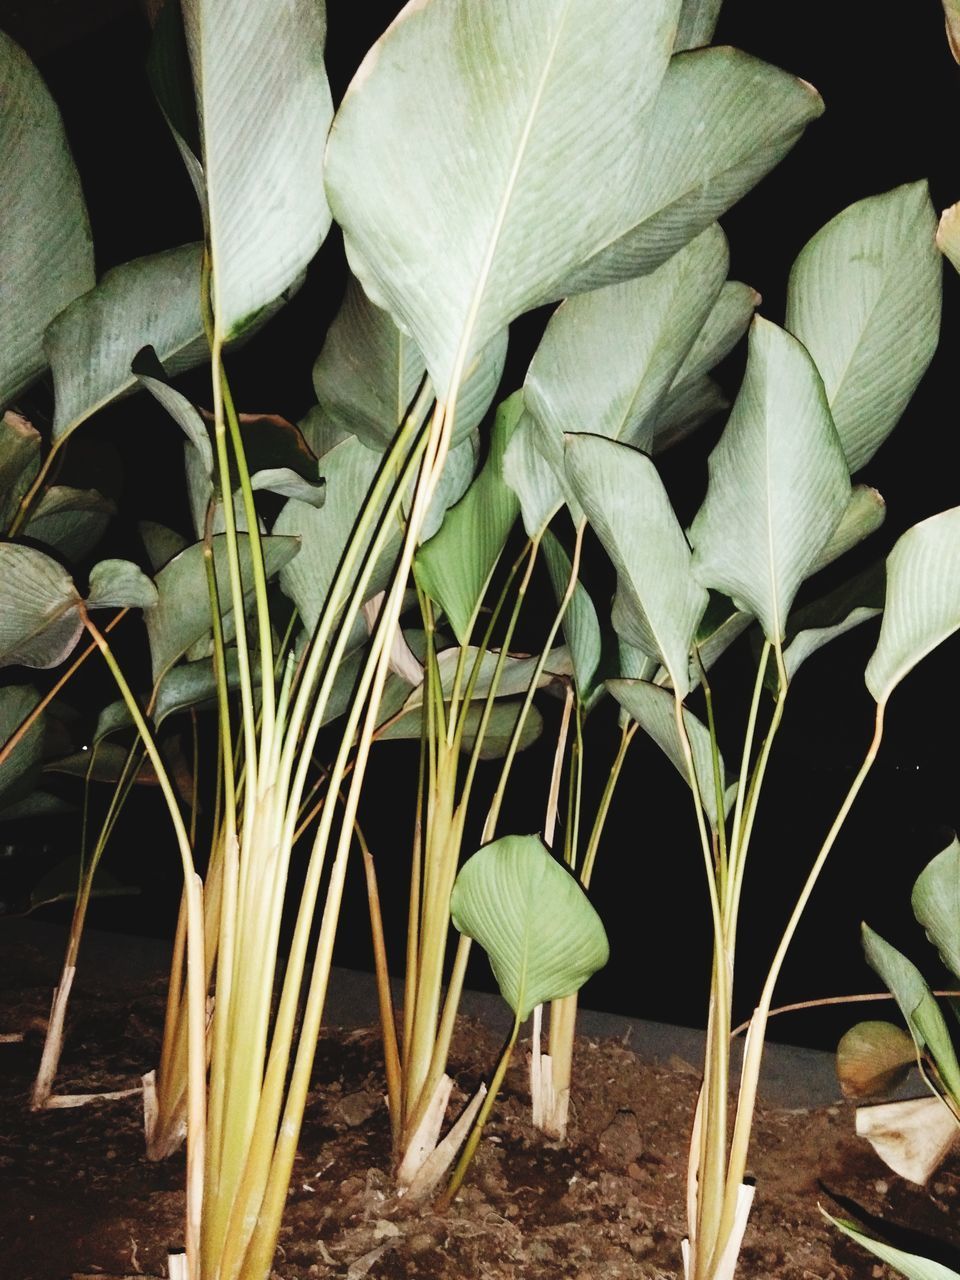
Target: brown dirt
(78, 1196)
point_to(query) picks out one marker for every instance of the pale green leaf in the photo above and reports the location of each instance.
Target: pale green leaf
(515, 675)
(455, 565)
(22, 766)
(349, 470)
(659, 603)
(810, 639)
(608, 358)
(911, 1265)
(19, 463)
(153, 301)
(917, 1004)
(847, 606)
(496, 737)
(181, 615)
(864, 514)
(152, 377)
(46, 251)
(864, 299)
(721, 121)
(698, 19)
(581, 627)
(721, 624)
(686, 406)
(923, 600)
(518, 125)
(194, 684)
(634, 663)
(532, 918)
(69, 521)
(948, 235)
(778, 483)
(654, 709)
(39, 608)
(936, 904)
(874, 1058)
(120, 584)
(265, 108)
(458, 471)
(531, 476)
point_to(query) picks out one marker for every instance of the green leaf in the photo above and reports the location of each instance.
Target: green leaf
(161, 543)
(19, 463)
(120, 584)
(654, 710)
(349, 470)
(917, 1004)
(936, 904)
(152, 301)
(874, 1058)
(581, 627)
(20, 769)
(46, 253)
(608, 358)
(864, 514)
(864, 299)
(721, 121)
(194, 684)
(39, 615)
(265, 109)
(911, 1265)
(778, 483)
(455, 565)
(181, 615)
(833, 615)
(721, 624)
(923, 600)
(69, 521)
(948, 235)
(458, 471)
(531, 476)
(658, 603)
(686, 406)
(533, 919)
(497, 734)
(518, 127)
(698, 20)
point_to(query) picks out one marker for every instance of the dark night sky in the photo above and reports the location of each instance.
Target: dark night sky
(891, 89)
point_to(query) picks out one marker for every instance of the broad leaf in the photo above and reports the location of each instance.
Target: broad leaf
(923, 600)
(917, 1004)
(153, 301)
(864, 299)
(39, 615)
(936, 904)
(778, 483)
(19, 463)
(721, 121)
(46, 252)
(69, 521)
(874, 1058)
(530, 915)
(608, 358)
(542, 185)
(194, 684)
(659, 603)
(454, 567)
(119, 584)
(911, 1265)
(265, 109)
(21, 767)
(181, 615)
(654, 710)
(581, 627)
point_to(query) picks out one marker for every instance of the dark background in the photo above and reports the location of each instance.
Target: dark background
(892, 93)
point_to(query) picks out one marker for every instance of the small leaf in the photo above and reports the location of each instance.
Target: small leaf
(119, 584)
(454, 567)
(778, 483)
(533, 919)
(874, 1058)
(658, 602)
(922, 603)
(864, 299)
(936, 904)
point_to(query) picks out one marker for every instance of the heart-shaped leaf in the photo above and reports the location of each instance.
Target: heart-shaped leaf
(46, 252)
(532, 918)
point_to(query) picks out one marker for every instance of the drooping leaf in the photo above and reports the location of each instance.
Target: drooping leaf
(581, 627)
(120, 584)
(864, 299)
(39, 615)
(69, 521)
(608, 358)
(922, 603)
(874, 1058)
(917, 1004)
(265, 108)
(936, 903)
(46, 251)
(698, 19)
(654, 710)
(19, 463)
(911, 1265)
(22, 766)
(778, 483)
(455, 565)
(152, 301)
(721, 121)
(658, 603)
(685, 407)
(864, 514)
(530, 915)
(833, 615)
(181, 615)
(541, 184)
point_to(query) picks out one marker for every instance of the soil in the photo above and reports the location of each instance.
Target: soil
(79, 1199)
